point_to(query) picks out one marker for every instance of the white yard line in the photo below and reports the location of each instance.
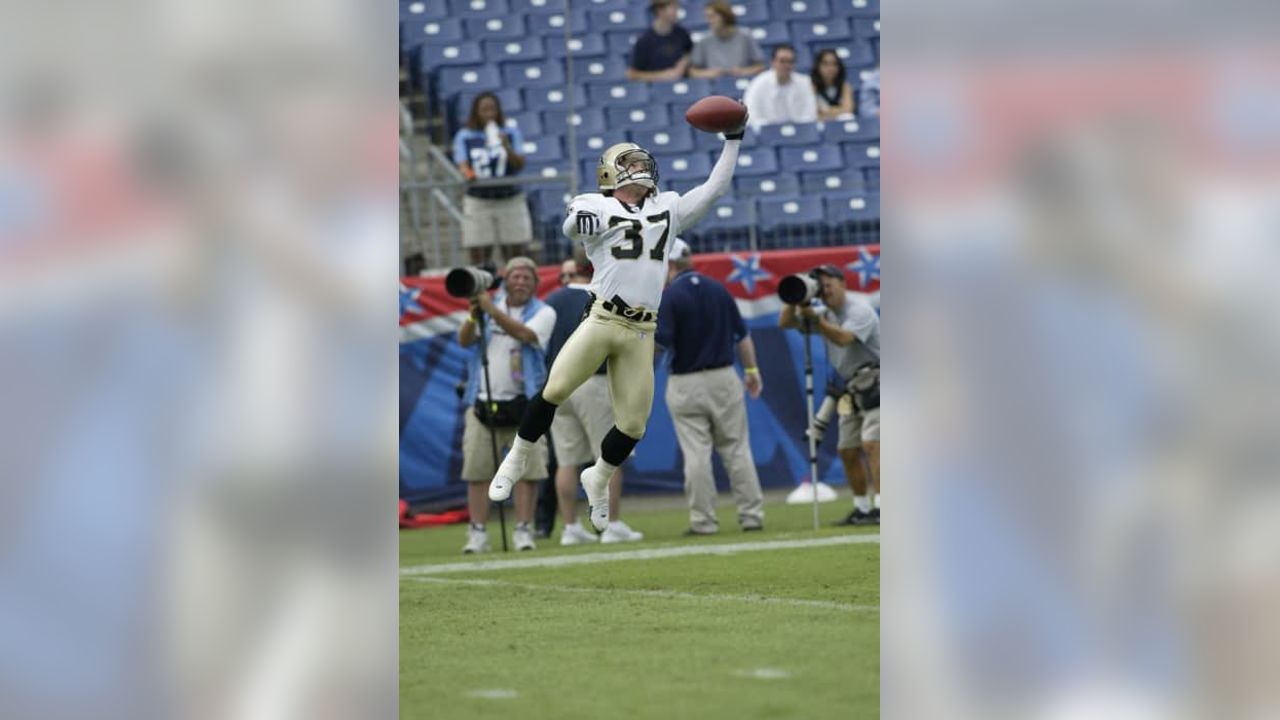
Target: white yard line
(661, 594)
(648, 554)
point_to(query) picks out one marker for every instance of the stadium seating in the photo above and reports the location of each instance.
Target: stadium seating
(796, 184)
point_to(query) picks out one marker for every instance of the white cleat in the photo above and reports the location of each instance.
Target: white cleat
(477, 541)
(509, 473)
(597, 498)
(523, 538)
(575, 534)
(620, 532)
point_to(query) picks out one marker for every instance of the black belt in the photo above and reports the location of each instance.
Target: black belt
(620, 308)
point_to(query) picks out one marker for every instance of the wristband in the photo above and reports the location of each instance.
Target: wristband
(751, 371)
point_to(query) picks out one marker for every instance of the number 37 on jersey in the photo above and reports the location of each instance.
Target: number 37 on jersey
(630, 233)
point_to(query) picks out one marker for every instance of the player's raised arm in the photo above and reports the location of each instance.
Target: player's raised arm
(695, 203)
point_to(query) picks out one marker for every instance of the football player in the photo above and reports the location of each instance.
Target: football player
(627, 229)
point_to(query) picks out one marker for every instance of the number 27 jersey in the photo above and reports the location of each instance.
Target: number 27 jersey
(628, 245)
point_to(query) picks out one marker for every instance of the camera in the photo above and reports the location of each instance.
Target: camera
(799, 288)
(466, 282)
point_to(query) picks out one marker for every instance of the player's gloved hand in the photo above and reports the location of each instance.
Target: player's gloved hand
(738, 132)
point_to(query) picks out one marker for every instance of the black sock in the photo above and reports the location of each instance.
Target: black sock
(537, 419)
(616, 446)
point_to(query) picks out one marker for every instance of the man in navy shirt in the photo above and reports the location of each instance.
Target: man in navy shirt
(580, 425)
(699, 323)
(662, 52)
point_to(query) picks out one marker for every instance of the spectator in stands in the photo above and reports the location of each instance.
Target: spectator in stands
(662, 52)
(726, 49)
(869, 94)
(778, 96)
(517, 342)
(580, 425)
(833, 92)
(698, 321)
(493, 215)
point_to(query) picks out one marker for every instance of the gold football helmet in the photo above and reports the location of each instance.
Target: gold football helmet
(626, 164)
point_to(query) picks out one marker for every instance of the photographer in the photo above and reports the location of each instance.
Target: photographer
(851, 329)
(518, 335)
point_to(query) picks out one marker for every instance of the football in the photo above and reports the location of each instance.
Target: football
(716, 113)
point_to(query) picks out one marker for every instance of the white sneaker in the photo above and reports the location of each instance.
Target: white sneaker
(575, 534)
(618, 532)
(523, 537)
(509, 473)
(597, 497)
(477, 541)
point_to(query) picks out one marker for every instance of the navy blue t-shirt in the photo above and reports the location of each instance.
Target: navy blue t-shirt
(653, 52)
(699, 323)
(569, 302)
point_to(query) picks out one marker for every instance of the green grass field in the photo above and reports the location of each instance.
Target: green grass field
(790, 631)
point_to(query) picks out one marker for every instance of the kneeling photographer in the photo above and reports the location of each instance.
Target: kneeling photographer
(507, 369)
(851, 329)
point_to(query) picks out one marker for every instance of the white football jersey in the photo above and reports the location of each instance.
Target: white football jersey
(628, 246)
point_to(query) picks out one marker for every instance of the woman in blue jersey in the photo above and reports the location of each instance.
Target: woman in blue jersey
(487, 149)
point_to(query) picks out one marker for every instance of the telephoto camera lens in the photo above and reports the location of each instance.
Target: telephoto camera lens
(798, 288)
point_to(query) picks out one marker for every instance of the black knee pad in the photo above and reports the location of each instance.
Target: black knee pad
(537, 419)
(617, 446)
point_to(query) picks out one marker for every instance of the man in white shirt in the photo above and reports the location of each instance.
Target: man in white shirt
(779, 95)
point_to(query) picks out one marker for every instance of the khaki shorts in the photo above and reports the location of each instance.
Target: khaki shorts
(504, 221)
(857, 428)
(582, 421)
(477, 451)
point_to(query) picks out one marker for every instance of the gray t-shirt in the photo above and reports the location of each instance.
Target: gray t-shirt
(739, 50)
(858, 317)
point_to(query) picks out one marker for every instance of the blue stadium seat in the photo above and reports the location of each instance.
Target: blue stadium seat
(787, 134)
(687, 91)
(437, 31)
(856, 54)
(460, 53)
(553, 24)
(537, 7)
(649, 117)
(821, 33)
(822, 182)
(542, 149)
(706, 142)
(582, 46)
(558, 168)
(862, 130)
(618, 94)
(453, 80)
(810, 158)
(781, 185)
(726, 225)
(855, 8)
(845, 210)
(553, 98)
(592, 145)
(865, 27)
(593, 69)
(771, 34)
(527, 48)
(861, 154)
(530, 123)
(585, 120)
(680, 185)
(695, 166)
(871, 175)
(480, 8)
(799, 9)
(665, 142)
(495, 28)
(753, 161)
(799, 218)
(547, 204)
(609, 4)
(734, 87)
(423, 10)
(751, 13)
(635, 19)
(618, 43)
(692, 18)
(533, 74)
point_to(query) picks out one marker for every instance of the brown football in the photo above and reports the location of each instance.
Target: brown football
(716, 113)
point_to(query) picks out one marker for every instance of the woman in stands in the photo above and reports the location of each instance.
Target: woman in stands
(493, 215)
(835, 95)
